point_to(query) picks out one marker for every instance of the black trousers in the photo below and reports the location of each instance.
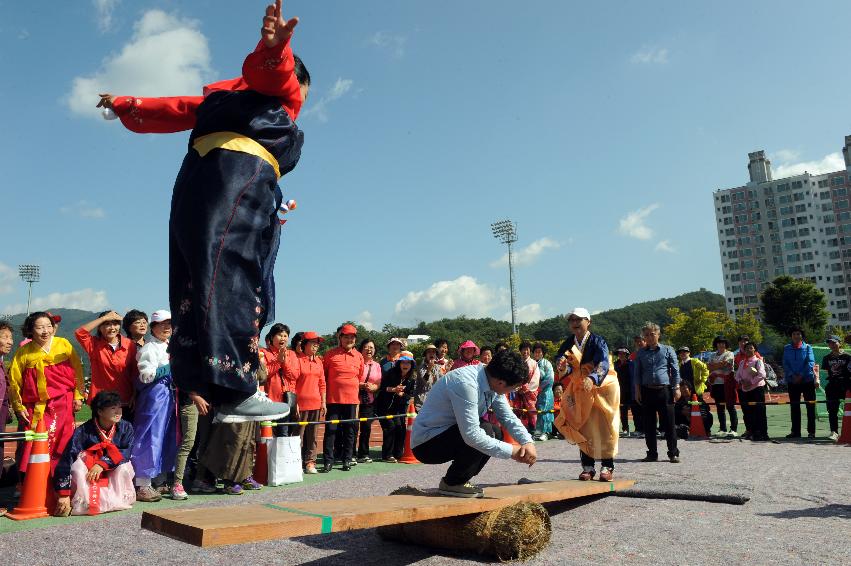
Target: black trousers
(659, 401)
(834, 391)
(589, 462)
(365, 430)
(637, 416)
(339, 411)
(808, 390)
(746, 409)
(393, 441)
(755, 418)
(717, 392)
(448, 446)
(223, 238)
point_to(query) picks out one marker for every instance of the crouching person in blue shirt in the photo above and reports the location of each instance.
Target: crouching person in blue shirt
(449, 428)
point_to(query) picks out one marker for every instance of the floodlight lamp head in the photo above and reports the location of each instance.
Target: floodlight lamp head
(30, 273)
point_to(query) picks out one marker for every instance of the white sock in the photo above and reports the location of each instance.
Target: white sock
(142, 482)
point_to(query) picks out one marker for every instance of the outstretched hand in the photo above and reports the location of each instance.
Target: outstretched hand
(106, 100)
(275, 28)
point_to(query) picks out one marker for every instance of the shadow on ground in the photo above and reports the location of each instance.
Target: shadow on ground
(825, 511)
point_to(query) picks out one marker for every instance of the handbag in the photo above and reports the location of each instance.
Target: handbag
(285, 460)
(364, 394)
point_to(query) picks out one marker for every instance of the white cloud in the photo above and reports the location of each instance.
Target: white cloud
(665, 246)
(24, 34)
(786, 155)
(365, 320)
(633, 224)
(83, 209)
(787, 168)
(527, 313)
(8, 276)
(529, 254)
(84, 299)
(393, 43)
(461, 296)
(167, 56)
(650, 56)
(320, 107)
(103, 13)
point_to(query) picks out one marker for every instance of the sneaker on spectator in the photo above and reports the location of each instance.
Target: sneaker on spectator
(624, 434)
(793, 435)
(391, 460)
(834, 436)
(147, 494)
(364, 460)
(310, 468)
(177, 492)
(464, 490)
(638, 434)
(543, 437)
(258, 407)
(234, 489)
(811, 436)
(353, 462)
(251, 484)
(200, 486)
(164, 489)
(732, 434)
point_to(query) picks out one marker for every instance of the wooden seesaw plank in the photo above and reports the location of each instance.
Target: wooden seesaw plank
(215, 526)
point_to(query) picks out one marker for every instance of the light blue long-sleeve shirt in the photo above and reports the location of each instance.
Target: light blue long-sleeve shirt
(657, 366)
(461, 397)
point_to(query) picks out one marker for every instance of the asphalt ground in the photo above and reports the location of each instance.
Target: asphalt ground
(799, 513)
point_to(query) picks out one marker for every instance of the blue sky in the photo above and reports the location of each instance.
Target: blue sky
(600, 128)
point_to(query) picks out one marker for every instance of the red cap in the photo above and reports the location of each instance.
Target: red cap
(348, 329)
(311, 335)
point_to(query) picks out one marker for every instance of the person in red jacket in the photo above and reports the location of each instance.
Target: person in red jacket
(112, 357)
(224, 231)
(309, 376)
(343, 369)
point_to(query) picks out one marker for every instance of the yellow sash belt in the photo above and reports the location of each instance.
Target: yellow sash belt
(235, 142)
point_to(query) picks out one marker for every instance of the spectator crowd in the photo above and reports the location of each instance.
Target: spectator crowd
(147, 438)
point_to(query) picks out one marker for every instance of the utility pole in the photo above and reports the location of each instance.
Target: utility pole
(506, 232)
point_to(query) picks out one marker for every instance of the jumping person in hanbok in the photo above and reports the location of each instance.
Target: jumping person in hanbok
(95, 475)
(46, 382)
(155, 419)
(590, 404)
(224, 229)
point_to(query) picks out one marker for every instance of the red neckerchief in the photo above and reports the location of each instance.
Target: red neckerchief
(96, 452)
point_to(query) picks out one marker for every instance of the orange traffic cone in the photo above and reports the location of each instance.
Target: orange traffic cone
(261, 453)
(696, 428)
(506, 437)
(846, 421)
(33, 502)
(408, 457)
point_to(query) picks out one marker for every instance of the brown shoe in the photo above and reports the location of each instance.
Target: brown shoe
(586, 475)
(148, 494)
(605, 474)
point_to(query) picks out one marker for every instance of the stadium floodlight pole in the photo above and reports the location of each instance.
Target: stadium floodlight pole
(506, 232)
(30, 273)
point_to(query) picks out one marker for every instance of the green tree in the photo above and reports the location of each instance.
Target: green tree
(746, 324)
(788, 303)
(695, 329)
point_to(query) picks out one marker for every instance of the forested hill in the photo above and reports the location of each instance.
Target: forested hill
(617, 326)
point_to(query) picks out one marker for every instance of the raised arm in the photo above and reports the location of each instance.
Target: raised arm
(145, 115)
(270, 69)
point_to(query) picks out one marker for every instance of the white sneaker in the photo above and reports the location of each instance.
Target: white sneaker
(258, 407)
(544, 437)
(834, 436)
(732, 434)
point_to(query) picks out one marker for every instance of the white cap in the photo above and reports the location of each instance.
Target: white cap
(160, 316)
(579, 312)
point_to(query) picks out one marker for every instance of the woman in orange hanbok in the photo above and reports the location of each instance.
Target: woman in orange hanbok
(46, 383)
(590, 405)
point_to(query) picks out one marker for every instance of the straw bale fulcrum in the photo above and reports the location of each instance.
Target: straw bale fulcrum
(515, 532)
